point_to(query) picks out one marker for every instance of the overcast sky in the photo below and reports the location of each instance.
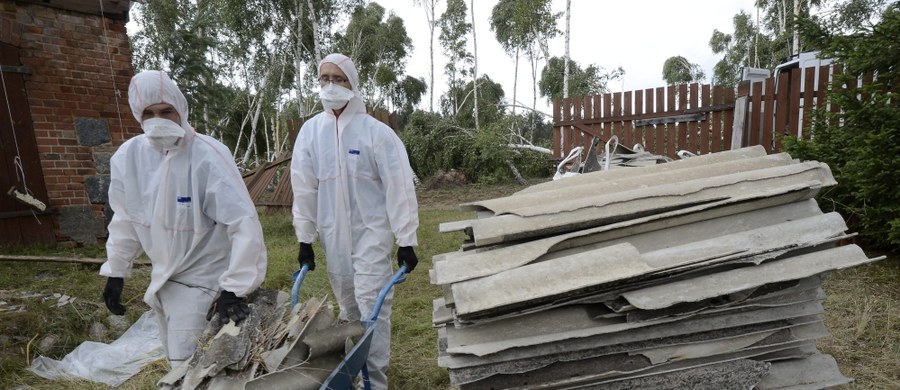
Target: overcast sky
(638, 35)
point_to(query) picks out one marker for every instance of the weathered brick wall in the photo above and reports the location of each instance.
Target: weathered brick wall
(80, 67)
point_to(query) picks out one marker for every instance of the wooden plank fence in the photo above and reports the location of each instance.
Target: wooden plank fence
(697, 118)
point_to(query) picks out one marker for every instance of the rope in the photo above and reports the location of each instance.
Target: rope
(112, 72)
(17, 160)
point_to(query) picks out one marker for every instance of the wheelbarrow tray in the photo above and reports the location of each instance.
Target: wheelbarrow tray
(354, 362)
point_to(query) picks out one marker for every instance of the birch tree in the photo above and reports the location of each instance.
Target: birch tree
(429, 7)
(454, 30)
(474, 64)
(565, 93)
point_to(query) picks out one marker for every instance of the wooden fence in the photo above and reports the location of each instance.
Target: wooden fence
(696, 118)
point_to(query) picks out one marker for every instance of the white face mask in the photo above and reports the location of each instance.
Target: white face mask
(334, 97)
(163, 133)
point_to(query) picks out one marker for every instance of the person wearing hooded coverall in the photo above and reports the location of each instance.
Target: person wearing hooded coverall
(353, 185)
(178, 197)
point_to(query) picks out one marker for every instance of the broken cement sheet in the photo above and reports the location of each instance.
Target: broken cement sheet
(572, 322)
(793, 268)
(639, 180)
(776, 191)
(561, 275)
(658, 351)
(702, 160)
(268, 349)
(813, 372)
(111, 364)
(688, 329)
(649, 236)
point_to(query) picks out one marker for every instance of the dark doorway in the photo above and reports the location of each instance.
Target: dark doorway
(20, 167)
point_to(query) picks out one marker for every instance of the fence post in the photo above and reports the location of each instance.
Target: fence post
(740, 115)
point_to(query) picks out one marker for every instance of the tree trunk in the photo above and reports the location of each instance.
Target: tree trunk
(429, 14)
(515, 82)
(566, 69)
(475, 58)
(515, 172)
(317, 48)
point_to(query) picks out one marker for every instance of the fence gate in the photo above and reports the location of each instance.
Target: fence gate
(20, 168)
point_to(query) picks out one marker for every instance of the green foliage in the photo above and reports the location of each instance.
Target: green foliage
(582, 82)
(379, 45)
(435, 144)
(764, 39)
(518, 24)
(454, 38)
(176, 38)
(490, 97)
(860, 142)
(678, 70)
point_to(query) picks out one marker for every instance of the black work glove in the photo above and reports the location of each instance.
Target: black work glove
(230, 308)
(406, 255)
(112, 295)
(306, 256)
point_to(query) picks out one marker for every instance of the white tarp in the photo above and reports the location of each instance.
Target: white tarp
(111, 364)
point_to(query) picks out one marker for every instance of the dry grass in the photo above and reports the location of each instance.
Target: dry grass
(862, 312)
(862, 308)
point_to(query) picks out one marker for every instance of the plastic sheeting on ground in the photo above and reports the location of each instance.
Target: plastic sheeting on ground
(111, 364)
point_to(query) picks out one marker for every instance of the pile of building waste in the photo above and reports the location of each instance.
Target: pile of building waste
(275, 347)
(701, 273)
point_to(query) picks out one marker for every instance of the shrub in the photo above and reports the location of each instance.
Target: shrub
(861, 142)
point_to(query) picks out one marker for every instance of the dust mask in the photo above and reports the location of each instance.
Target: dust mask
(162, 133)
(334, 97)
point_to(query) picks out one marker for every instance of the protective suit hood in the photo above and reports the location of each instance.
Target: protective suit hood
(153, 87)
(356, 104)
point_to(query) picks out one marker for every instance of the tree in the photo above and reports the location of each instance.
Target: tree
(176, 37)
(565, 93)
(474, 66)
(765, 43)
(582, 82)
(678, 70)
(458, 103)
(859, 141)
(407, 94)
(429, 6)
(379, 45)
(252, 56)
(525, 25)
(454, 30)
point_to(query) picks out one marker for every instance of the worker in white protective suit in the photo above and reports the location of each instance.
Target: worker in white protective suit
(353, 185)
(179, 198)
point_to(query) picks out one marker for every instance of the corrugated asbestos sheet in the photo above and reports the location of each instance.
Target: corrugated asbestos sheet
(702, 273)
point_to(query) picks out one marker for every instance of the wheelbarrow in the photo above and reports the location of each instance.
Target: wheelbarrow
(354, 363)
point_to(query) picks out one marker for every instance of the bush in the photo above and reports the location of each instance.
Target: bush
(436, 145)
(860, 142)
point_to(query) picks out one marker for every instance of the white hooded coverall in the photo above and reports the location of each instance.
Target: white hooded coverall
(189, 210)
(352, 181)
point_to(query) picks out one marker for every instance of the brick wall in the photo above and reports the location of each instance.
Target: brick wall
(79, 69)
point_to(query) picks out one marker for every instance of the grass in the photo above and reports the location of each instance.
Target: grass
(862, 306)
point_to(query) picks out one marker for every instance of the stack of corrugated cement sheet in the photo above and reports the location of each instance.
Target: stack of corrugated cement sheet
(699, 273)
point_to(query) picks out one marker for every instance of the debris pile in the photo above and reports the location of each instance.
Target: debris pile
(270, 349)
(699, 273)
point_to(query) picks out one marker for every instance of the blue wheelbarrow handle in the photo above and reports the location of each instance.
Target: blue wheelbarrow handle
(398, 277)
(298, 280)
